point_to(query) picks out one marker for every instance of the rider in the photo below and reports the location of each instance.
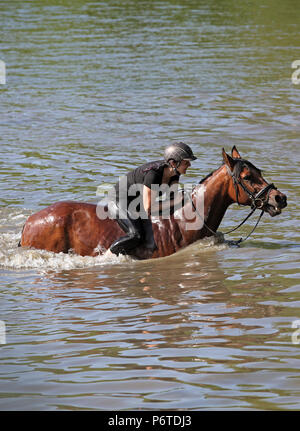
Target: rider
(177, 158)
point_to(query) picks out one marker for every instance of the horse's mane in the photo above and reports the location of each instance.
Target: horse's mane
(236, 170)
(207, 176)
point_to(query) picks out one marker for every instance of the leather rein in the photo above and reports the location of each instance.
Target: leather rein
(257, 202)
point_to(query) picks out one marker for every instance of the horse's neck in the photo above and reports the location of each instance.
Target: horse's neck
(214, 191)
(212, 197)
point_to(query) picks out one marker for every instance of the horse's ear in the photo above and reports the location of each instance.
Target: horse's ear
(228, 160)
(234, 153)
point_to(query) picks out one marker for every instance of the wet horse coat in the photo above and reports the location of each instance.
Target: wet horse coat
(66, 226)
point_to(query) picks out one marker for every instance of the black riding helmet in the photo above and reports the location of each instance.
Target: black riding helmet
(178, 152)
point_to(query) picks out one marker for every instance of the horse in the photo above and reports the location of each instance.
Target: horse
(75, 226)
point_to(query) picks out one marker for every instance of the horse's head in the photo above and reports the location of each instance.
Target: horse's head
(248, 187)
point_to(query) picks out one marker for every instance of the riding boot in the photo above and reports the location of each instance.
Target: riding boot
(125, 244)
(148, 237)
(130, 226)
(138, 231)
(128, 242)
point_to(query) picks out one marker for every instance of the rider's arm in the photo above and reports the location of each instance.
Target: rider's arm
(152, 207)
(148, 197)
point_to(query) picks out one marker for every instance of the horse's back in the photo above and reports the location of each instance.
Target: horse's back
(69, 225)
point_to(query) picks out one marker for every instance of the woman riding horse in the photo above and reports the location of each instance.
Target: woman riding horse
(79, 226)
(136, 222)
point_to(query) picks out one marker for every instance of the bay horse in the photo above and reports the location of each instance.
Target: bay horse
(67, 225)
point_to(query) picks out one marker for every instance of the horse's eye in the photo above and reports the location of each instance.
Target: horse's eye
(247, 178)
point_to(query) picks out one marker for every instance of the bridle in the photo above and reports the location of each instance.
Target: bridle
(257, 202)
(256, 199)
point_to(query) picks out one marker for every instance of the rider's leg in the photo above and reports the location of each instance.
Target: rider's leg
(148, 237)
(131, 227)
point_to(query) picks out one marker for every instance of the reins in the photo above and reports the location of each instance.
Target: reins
(232, 242)
(257, 203)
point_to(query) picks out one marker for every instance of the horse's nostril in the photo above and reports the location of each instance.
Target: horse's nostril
(280, 199)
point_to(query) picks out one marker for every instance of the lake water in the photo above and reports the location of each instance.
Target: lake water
(92, 90)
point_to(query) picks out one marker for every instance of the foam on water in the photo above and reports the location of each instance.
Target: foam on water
(14, 257)
(41, 259)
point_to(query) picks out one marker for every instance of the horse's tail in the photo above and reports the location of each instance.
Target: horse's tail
(19, 243)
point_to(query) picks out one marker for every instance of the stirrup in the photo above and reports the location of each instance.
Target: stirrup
(116, 249)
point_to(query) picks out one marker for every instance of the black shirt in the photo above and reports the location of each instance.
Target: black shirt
(145, 175)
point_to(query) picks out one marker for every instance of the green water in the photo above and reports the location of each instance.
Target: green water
(92, 90)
